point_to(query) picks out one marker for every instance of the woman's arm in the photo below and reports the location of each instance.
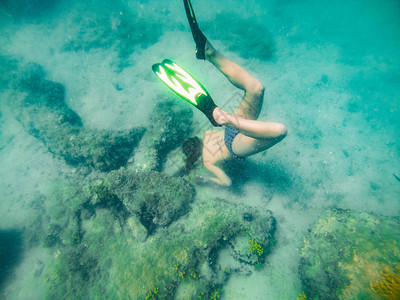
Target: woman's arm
(222, 178)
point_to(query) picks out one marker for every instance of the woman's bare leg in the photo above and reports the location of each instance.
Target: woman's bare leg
(254, 137)
(251, 105)
(251, 128)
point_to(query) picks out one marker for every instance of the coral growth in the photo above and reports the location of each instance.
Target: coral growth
(302, 296)
(152, 294)
(389, 286)
(215, 295)
(256, 247)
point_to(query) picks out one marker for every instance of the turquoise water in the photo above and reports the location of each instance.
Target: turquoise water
(78, 100)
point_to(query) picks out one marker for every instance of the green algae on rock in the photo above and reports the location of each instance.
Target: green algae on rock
(44, 93)
(256, 240)
(104, 150)
(164, 134)
(90, 228)
(101, 250)
(157, 199)
(45, 114)
(345, 252)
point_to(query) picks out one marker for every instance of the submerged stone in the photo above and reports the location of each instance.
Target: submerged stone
(253, 246)
(351, 255)
(45, 94)
(116, 258)
(170, 124)
(157, 199)
(104, 150)
(46, 115)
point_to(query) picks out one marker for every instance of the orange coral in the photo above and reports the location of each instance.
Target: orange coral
(389, 286)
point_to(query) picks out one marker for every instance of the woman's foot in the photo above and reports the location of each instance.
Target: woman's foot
(204, 49)
(201, 41)
(209, 51)
(221, 117)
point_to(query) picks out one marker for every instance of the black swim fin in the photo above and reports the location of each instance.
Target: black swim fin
(198, 36)
(186, 86)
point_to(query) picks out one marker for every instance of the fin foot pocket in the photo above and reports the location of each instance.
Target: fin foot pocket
(200, 41)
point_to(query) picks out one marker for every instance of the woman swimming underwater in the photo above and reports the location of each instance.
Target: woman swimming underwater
(243, 135)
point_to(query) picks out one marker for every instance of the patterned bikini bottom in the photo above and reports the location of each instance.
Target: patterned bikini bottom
(229, 136)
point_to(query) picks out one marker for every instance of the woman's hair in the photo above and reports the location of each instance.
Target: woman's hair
(192, 148)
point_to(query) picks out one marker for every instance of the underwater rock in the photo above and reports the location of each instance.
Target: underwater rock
(156, 198)
(351, 255)
(247, 250)
(52, 237)
(242, 31)
(258, 230)
(104, 150)
(164, 134)
(175, 163)
(144, 200)
(45, 93)
(31, 77)
(120, 260)
(138, 230)
(179, 261)
(45, 114)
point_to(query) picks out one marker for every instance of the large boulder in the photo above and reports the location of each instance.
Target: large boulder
(103, 150)
(46, 115)
(170, 123)
(43, 93)
(102, 250)
(258, 232)
(351, 255)
(156, 198)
